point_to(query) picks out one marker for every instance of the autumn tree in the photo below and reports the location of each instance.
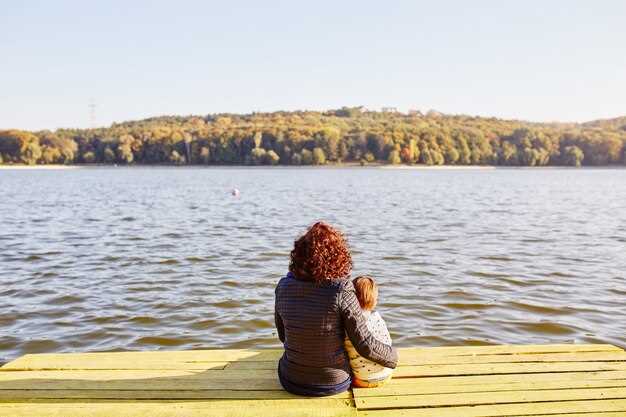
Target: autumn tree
(319, 158)
(573, 155)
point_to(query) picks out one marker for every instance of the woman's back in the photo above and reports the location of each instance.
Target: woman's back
(315, 305)
(313, 331)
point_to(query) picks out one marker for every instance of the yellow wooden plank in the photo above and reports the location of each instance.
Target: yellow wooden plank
(249, 365)
(478, 398)
(137, 374)
(110, 374)
(151, 394)
(428, 388)
(506, 368)
(600, 414)
(191, 359)
(511, 358)
(611, 356)
(251, 408)
(139, 380)
(206, 359)
(507, 378)
(502, 410)
(163, 385)
(480, 354)
(142, 410)
(221, 403)
(96, 364)
(507, 349)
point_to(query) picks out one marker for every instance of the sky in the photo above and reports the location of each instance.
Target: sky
(559, 60)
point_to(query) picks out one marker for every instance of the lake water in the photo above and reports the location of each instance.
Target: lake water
(166, 258)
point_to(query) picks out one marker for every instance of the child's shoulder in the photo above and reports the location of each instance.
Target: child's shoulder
(375, 316)
(378, 327)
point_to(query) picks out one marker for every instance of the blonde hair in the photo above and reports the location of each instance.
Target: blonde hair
(366, 292)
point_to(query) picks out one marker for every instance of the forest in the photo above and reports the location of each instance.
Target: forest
(346, 135)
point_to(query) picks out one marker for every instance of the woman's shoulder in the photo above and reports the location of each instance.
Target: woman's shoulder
(343, 287)
(346, 295)
(284, 281)
(335, 285)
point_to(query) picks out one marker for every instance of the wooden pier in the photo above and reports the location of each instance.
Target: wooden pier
(485, 381)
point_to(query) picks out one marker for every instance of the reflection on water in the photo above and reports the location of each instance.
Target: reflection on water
(147, 258)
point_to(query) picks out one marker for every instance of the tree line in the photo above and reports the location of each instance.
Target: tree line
(351, 135)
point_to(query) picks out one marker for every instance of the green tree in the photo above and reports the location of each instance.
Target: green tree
(109, 155)
(306, 156)
(451, 155)
(394, 158)
(405, 155)
(426, 157)
(258, 156)
(342, 151)
(177, 158)
(124, 149)
(258, 137)
(57, 149)
(573, 156)
(11, 144)
(509, 154)
(296, 159)
(328, 141)
(272, 157)
(205, 154)
(319, 158)
(50, 155)
(465, 154)
(20, 146)
(414, 151)
(437, 157)
(89, 157)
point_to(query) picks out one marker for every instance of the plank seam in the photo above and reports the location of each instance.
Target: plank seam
(481, 404)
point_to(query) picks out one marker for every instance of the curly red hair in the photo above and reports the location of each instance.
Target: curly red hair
(322, 253)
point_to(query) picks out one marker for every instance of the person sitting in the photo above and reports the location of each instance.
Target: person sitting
(368, 374)
(316, 306)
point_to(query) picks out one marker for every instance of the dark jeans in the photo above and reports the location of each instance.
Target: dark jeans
(313, 390)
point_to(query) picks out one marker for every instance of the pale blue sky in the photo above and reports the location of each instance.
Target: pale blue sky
(535, 60)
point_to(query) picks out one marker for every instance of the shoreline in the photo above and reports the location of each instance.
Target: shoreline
(418, 167)
(34, 167)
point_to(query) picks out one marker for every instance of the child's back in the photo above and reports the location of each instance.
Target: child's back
(368, 373)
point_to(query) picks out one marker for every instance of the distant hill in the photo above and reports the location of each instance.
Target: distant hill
(617, 123)
(349, 134)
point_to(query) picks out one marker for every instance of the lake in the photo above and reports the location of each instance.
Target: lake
(105, 259)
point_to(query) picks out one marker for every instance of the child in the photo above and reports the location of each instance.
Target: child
(368, 374)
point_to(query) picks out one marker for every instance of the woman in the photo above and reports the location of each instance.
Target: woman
(316, 306)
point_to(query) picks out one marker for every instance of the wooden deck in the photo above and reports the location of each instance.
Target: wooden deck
(539, 380)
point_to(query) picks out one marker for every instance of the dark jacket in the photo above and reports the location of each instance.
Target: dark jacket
(312, 321)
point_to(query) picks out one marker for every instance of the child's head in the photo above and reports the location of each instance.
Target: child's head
(366, 292)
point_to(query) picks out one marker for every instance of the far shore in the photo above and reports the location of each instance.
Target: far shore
(48, 167)
(344, 165)
(326, 166)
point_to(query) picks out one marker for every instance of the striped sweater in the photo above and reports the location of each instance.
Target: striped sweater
(364, 369)
(312, 321)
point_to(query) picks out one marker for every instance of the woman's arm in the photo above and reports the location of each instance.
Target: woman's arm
(356, 328)
(280, 327)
